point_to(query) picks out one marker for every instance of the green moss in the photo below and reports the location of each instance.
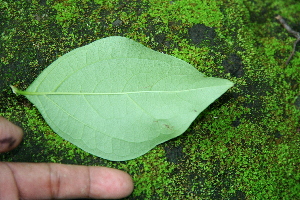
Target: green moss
(244, 146)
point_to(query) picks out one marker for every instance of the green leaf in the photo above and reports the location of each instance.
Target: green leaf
(117, 99)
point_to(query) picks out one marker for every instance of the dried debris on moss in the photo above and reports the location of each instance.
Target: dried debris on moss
(290, 30)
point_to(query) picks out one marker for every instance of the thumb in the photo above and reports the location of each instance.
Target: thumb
(10, 135)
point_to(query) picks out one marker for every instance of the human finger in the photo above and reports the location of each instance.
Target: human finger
(10, 135)
(58, 181)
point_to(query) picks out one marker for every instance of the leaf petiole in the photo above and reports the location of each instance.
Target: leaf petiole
(17, 91)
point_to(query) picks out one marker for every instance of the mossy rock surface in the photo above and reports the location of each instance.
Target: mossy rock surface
(244, 146)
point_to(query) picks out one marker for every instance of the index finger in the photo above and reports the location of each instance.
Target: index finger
(59, 181)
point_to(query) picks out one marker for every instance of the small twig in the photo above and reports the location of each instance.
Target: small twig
(290, 30)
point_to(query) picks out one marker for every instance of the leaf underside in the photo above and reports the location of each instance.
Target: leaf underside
(117, 99)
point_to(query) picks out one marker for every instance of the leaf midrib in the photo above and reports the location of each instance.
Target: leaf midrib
(15, 90)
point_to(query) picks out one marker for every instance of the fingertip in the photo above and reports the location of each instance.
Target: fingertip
(10, 135)
(110, 183)
(125, 186)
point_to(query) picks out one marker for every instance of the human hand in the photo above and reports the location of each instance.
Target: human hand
(55, 181)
